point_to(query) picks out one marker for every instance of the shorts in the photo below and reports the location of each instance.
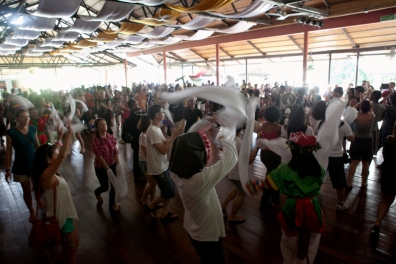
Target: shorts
(165, 184)
(143, 166)
(361, 148)
(21, 178)
(68, 226)
(337, 172)
(238, 185)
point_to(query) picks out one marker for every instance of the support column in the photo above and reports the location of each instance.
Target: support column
(329, 73)
(164, 54)
(217, 65)
(305, 58)
(357, 68)
(246, 73)
(126, 73)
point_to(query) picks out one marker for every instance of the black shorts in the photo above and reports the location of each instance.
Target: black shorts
(361, 148)
(336, 172)
(165, 184)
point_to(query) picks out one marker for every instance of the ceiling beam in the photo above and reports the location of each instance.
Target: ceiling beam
(295, 42)
(349, 38)
(255, 47)
(224, 51)
(331, 23)
(199, 55)
(176, 56)
(326, 3)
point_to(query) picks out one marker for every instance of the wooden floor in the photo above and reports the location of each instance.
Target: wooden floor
(132, 236)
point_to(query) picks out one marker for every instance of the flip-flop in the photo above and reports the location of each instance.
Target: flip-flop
(238, 220)
(169, 216)
(152, 211)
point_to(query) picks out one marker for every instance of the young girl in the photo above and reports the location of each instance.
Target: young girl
(143, 124)
(47, 161)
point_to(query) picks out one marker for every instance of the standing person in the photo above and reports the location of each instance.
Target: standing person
(143, 125)
(389, 118)
(388, 184)
(203, 219)
(141, 98)
(157, 164)
(104, 109)
(125, 109)
(47, 161)
(23, 138)
(378, 111)
(106, 158)
(361, 147)
(190, 114)
(131, 125)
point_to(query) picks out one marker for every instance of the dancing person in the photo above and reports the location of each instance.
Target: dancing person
(196, 183)
(190, 114)
(361, 146)
(378, 111)
(104, 109)
(301, 231)
(47, 161)
(106, 158)
(270, 129)
(389, 118)
(157, 164)
(388, 184)
(143, 125)
(23, 139)
(296, 123)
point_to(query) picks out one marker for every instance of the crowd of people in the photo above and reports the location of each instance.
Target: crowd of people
(294, 114)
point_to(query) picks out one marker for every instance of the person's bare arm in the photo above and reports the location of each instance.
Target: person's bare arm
(163, 148)
(8, 158)
(37, 142)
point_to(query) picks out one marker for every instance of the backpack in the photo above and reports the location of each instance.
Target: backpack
(126, 133)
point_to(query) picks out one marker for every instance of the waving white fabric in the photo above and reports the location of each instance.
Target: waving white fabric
(57, 8)
(16, 42)
(158, 32)
(9, 47)
(276, 145)
(72, 105)
(111, 11)
(220, 94)
(328, 133)
(49, 42)
(168, 113)
(196, 23)
(55, 117)
(25, 34)
(38, 48)
(82, 26)
(146, 2)
(84, 106)
(200, 34)
(239, 27)
(66, 36)
(350, 114)
(32, 53)
(168, 41)
(119, 183)
(244, 153)
(7, 52)
(255, 9)
(22, 101)
(203, 124)
(31, 22)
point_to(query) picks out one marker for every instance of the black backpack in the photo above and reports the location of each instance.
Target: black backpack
(126, 133)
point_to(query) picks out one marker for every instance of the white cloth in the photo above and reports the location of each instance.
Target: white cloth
(9, 47)
(343, 131)
(25, 34)
(119, 183)
(196, 23)
(156, 162)
(16, 42)
(142, 143)
(36, 23)
(350, 114)
(64, 202)
(82, 26)
(255, 9)
(37, 48)
(111, 11)
(57, 8)
(66, 36)
(289, 248)
(50, 42)
(239, 27)
(203, 218)
(7, 52)
(33, 53)
(158, 32)
(200, 34)
(168, 41)
(234, 173)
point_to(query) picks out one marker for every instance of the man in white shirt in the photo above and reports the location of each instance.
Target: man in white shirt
(157, 148)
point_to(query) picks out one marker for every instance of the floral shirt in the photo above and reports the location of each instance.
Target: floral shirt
(105, 147)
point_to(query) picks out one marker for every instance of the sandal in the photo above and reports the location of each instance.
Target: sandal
(169, 216)
(224, 211)
(152, 211)
(238, 220)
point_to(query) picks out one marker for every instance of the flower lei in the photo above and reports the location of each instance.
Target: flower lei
(206, 143)
(303, 149)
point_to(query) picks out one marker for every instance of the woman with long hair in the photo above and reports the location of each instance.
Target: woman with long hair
(296, 123)
(47, 161)
(388, 183)
(106, 158)
(23, 139)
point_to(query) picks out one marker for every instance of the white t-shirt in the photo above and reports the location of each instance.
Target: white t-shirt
(203, 218)
(156, 162)
(142, 143)
(234, 173)
(343, 131)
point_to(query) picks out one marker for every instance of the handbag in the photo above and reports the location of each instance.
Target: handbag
(45, 233)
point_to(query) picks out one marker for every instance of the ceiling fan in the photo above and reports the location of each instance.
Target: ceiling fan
(282, 14)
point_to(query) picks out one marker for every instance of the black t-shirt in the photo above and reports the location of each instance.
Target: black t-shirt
(191, 117)
(131, 124)
(177, 111)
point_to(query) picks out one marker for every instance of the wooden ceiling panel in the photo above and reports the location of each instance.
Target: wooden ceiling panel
(372, 33)
(292, 49)
(272, 39)
(319, 49)
(380, 25)
(375, 39)
(275, 44)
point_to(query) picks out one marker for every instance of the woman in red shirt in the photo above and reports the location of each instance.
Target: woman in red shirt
(106, 157)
